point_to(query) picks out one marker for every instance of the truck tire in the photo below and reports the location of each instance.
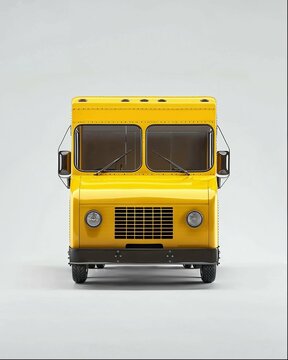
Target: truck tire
(79, 273)
(91, 266)
(208, 273)
(187, 266)
(100, 266)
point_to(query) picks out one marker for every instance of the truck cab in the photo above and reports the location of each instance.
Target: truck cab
(143, 174)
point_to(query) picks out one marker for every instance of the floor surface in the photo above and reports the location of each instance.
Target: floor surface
(144, 312)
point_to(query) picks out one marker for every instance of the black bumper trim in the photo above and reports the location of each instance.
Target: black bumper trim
(144, 256)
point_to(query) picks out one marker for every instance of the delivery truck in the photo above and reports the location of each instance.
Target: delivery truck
(143, 175)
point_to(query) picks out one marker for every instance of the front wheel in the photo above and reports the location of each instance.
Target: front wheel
(100, 266)
(79, 273)
(208, 273)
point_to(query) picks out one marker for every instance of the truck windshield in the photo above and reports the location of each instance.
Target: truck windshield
(99, 145)
(188, 146)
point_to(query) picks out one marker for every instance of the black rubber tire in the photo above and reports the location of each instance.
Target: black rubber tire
(196, 266)
(187, 266)
(208, 273)
(79, 273)
(100, 266)
(91, 266)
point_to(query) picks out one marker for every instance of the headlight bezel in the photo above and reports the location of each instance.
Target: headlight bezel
(195, 212)
(98, 214)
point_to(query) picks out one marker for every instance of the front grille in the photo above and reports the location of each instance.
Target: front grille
(143, 223)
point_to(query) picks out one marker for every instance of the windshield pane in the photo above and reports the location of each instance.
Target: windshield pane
(98, 145)
(189, 146)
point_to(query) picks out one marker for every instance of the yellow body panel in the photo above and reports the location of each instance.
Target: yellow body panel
(143, 187)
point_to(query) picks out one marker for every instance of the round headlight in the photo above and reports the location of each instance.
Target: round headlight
(93, 218)
(194, 219)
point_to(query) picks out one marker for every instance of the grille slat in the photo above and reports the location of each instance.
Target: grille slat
(144, 223)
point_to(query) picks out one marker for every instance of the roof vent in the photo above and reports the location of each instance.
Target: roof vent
(204, 100)
(144, 100)
(125, 100)
(82, 100)
(162, 100)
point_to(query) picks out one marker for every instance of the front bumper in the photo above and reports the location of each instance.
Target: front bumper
(144, 256)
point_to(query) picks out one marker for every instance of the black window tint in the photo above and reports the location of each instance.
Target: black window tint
(190, 146)
(98, 145)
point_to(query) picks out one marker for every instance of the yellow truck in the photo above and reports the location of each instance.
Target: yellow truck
(143, 174)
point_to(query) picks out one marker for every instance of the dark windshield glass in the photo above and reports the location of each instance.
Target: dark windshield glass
(98, 145)
(189, 146)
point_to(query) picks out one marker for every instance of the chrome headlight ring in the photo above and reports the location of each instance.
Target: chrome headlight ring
(194, 219)
(93, 218)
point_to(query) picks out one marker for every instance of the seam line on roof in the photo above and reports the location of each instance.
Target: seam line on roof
(121, 108)
(115, 122)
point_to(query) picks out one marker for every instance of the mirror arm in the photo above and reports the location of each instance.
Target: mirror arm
(69, 128)
(68, 179)
(218, 127)
(220, 185)
(228, 147)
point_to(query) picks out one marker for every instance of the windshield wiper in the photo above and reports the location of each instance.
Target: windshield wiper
(172, 163)
(112, 163)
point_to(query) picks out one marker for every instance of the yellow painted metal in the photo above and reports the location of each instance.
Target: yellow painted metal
(144, 187)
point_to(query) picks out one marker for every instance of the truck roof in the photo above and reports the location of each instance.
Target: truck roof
(165, 109)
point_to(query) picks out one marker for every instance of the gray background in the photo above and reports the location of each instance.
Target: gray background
(53, 50)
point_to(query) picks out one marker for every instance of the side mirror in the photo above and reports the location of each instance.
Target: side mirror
(223, 163)
(64, 163)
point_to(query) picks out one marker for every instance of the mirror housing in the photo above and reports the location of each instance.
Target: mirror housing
(64, 163)
(223, 163)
